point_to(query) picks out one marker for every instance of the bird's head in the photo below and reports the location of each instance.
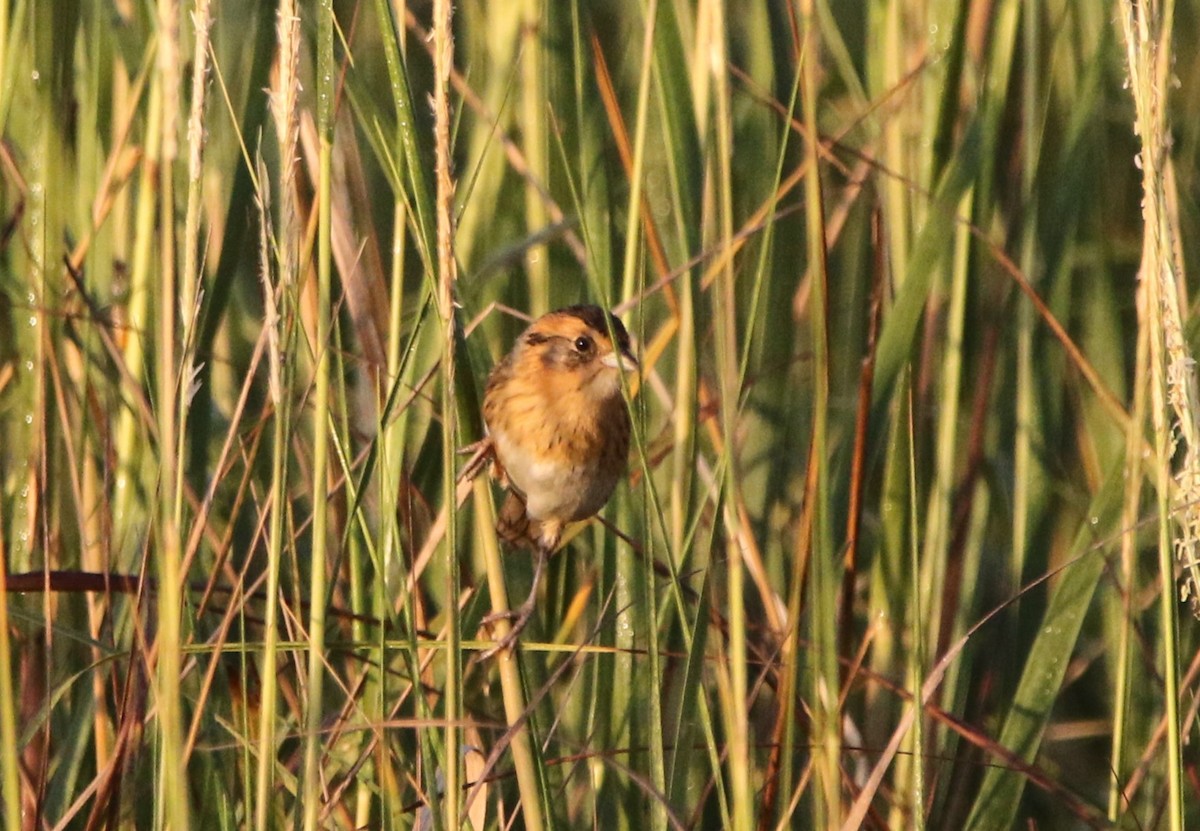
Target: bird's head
(573, 348)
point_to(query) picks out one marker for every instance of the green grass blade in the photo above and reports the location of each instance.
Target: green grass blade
(999, 799)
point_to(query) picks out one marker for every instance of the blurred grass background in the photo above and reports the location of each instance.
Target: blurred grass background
(913, 498)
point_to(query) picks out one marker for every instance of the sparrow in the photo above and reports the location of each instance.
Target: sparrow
(559, 430)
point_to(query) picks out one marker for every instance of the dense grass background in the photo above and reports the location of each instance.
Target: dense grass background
(913, 499)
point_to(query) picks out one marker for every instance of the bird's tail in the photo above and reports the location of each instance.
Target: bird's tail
(514, 526)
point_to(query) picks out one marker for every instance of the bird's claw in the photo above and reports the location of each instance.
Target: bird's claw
(475, 446)
(518, 619)
(519, 616)
(481, 452)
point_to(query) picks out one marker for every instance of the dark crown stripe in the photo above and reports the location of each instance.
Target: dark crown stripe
(594, 316)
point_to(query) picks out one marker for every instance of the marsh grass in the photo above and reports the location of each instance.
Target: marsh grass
(912, 499)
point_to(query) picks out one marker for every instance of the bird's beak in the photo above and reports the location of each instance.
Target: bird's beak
(620, 360)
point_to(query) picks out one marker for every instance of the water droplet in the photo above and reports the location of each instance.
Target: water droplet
(36, 76)
(29, 418)
(32, 320)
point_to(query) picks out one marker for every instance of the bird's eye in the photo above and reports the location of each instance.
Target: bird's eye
(583, 343)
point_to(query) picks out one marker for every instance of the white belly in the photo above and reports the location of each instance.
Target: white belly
(552, 490)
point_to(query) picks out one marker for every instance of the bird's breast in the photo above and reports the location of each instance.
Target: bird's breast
(567, 460)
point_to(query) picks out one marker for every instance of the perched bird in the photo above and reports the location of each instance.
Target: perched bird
(558, 428)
